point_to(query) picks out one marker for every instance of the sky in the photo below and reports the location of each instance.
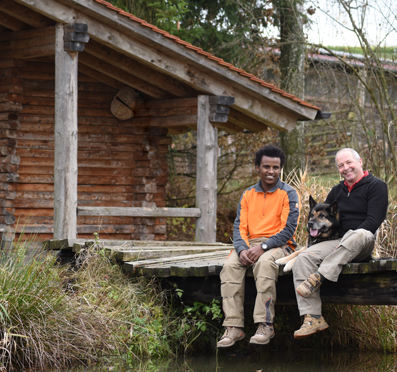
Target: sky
(330, 23)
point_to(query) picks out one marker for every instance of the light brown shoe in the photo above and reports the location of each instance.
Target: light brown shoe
(263, 334)
(310, 326)
(310, 285)
(231, 335)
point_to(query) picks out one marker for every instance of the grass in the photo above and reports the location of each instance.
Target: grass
(53, 316)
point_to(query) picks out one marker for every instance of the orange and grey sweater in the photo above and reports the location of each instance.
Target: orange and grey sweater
(273, 214)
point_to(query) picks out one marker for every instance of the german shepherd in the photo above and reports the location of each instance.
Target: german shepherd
(323, 224)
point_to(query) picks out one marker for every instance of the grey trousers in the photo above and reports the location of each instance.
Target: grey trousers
(328, 259)
(233, 285)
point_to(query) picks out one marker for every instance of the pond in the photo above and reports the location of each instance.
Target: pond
(303, 360)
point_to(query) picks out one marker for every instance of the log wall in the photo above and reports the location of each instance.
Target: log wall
(10, 107)
(119, 165)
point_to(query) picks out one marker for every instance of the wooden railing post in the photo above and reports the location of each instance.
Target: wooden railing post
(206, 185)
(69, 40)
(65, 137)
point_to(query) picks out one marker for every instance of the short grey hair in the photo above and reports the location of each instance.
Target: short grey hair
(353, 152)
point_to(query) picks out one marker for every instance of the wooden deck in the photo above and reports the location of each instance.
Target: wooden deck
(195, 267)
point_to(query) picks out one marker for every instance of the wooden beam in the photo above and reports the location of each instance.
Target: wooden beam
(122, 76)
(245, 122)
(206, 173)
(27, 34)
(139, 70)
(165, 121)
(166, 103)
(24, 14)
(28, 48)
(202, 74)
(138, 212)
(27, 43)
(230, 127)
(65, 155)
(101, 77)
(12, 23)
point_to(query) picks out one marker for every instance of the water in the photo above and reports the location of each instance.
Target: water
(302, 360)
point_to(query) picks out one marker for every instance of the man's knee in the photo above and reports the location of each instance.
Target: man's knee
(232, 278)
(356, 240)
(305, 262)
(231, 288)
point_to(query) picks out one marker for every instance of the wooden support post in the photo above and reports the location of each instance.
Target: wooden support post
(206, 173)
(65, 156)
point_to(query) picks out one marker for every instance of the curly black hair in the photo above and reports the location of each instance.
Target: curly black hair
(270, 151)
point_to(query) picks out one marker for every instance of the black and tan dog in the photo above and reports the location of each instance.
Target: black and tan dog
(323, 224)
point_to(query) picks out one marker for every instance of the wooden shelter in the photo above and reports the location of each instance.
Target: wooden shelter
(88, 97)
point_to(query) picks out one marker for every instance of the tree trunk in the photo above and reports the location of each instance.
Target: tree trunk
(292, 78)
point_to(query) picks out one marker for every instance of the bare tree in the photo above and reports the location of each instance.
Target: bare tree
(372, 117)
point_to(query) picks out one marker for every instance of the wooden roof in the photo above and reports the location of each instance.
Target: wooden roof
(126, 51)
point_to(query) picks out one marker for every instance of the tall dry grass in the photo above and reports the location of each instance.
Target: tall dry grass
(53, 316)
(40, 325)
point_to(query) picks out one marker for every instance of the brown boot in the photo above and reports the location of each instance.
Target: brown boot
(310, 285)
(231, 335)
(263, 334)
(310, 326)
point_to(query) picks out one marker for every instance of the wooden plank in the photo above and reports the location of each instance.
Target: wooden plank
(206, 173)
(27, 34)
(161, 112)
(133, 67)
(11, 45)
(132, 267)
(101, 77)
(360, 289)
(124, 77)
(32, 52)
(12, 22)
(248, 123)
(65, 154)
(168, 121)
(24, 14)
(139, 212)
(145, 253)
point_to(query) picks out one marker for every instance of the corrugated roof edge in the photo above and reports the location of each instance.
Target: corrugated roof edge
(207, 55)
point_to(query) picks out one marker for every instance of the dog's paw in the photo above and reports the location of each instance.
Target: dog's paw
(281, 261)
(288, 266)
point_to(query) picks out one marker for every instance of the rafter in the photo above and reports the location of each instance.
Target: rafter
(122, 76)
(23, 14)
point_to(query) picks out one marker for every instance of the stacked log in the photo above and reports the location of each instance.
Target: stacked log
(119, 164)
(10, 106)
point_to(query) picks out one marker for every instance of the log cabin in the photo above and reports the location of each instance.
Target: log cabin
(89, 95)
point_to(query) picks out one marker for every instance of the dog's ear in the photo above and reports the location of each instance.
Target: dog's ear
(333, 208)
(312, 202)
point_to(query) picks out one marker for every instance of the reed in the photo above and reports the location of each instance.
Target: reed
(55, 316)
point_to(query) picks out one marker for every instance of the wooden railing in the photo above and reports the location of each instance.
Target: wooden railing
(144, 212)
(139, 212)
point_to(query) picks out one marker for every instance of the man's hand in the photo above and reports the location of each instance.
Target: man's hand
(250, 256)
(244, 259)
(255, 252)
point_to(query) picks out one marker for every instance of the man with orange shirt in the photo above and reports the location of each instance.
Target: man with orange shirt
(267, 217)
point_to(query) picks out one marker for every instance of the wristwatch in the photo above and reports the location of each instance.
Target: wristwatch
(264, 246)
